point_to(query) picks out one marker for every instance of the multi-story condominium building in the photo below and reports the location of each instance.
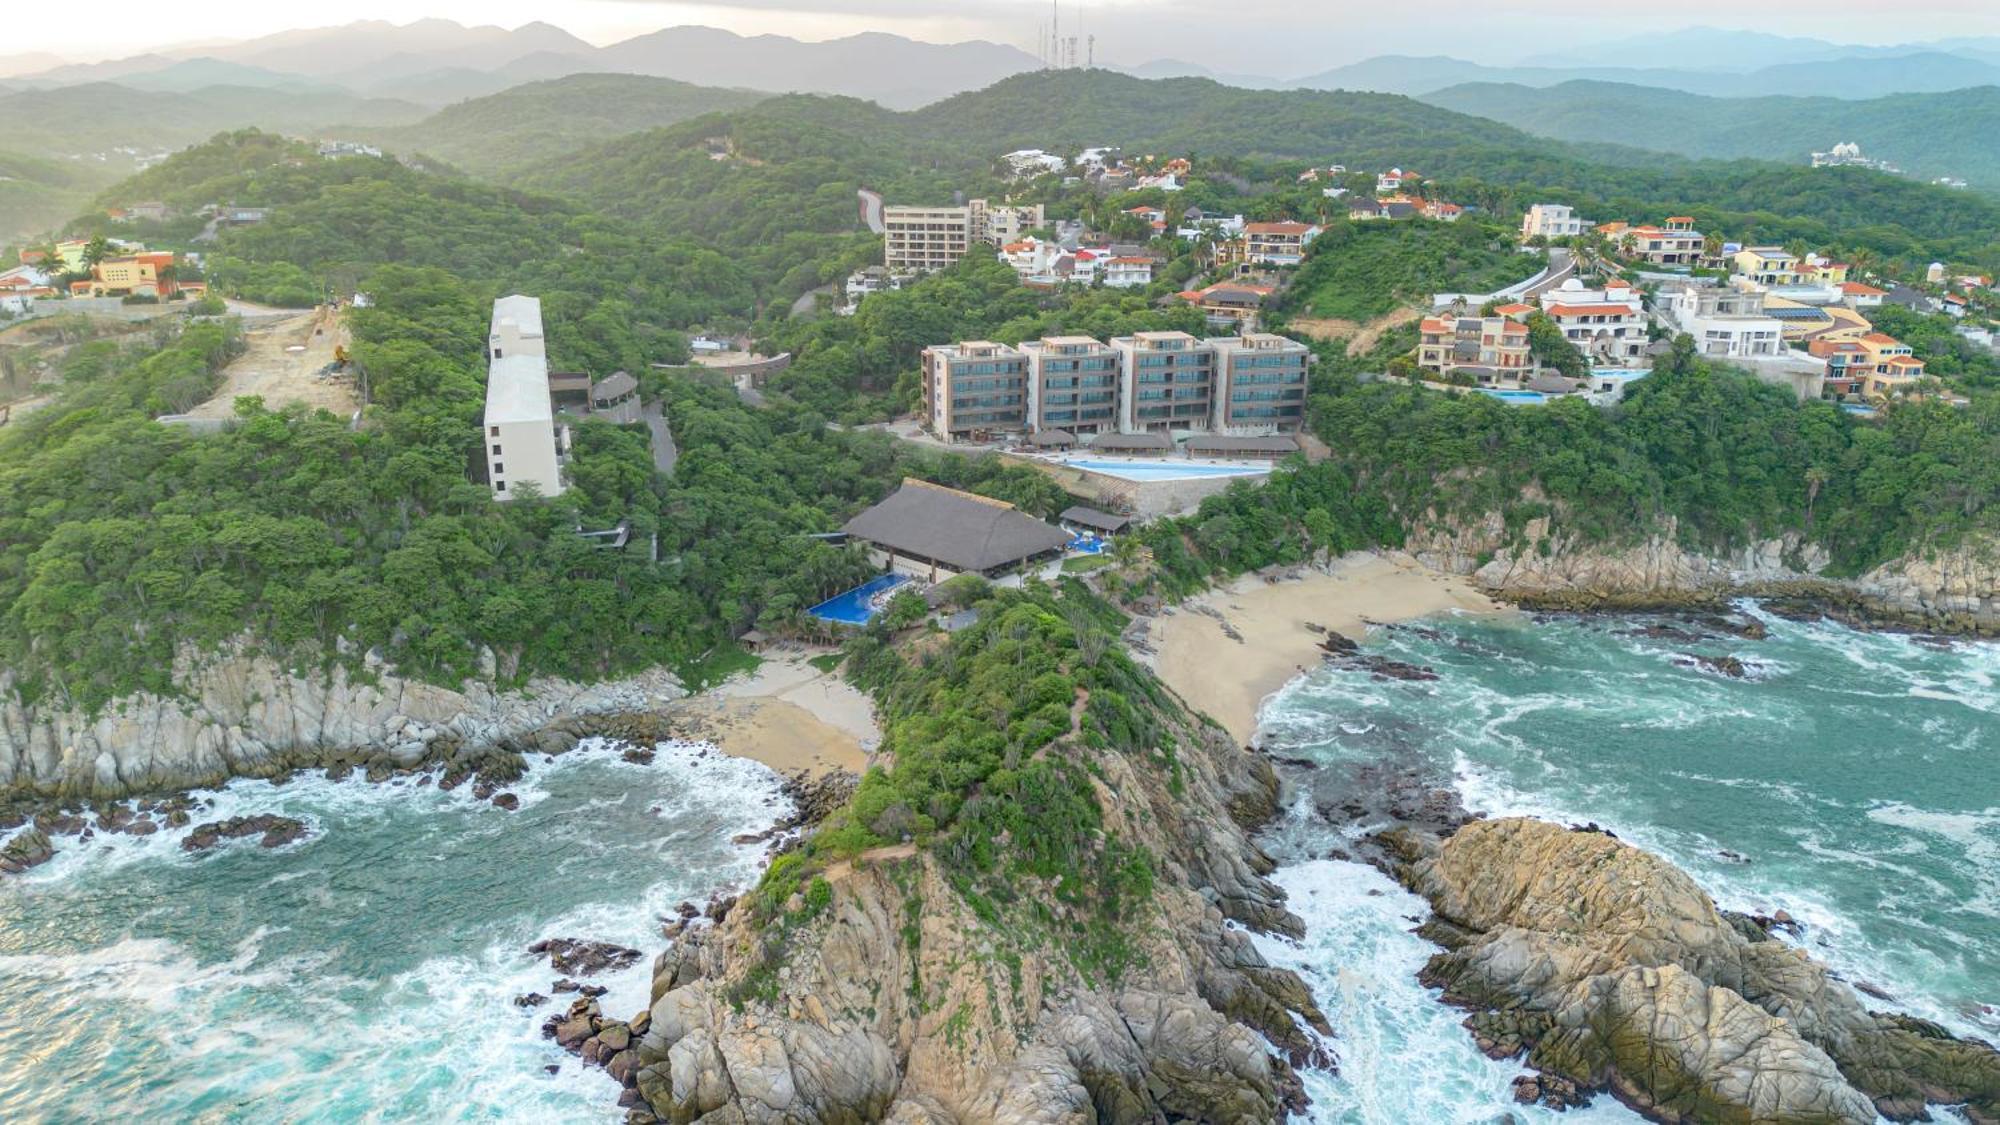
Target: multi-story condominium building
(1168, 379)
(1260, 383)
(1766, 265)
(975, 389)
(520, 439)
(932, 238)
(1552, 221)
(1278, 244)
(1490, 349)
(1608, 325)
(1726, 322)
(1072, 384)
(1874, 366)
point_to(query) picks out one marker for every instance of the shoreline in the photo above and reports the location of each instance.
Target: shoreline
(1227, 651)
(790, 716)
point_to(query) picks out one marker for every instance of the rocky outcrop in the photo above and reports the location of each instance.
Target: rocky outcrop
(243, 715)
(897, 998)
(1954, 591)
(1611, 969)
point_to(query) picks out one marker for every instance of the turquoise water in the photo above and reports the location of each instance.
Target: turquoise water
(1518, 398)
(366, 973)
(1857, 777)
(1165, 470)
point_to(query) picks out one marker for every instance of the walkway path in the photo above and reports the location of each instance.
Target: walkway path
(665, 453)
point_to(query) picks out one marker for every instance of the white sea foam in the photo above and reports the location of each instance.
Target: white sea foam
(1402, 1055)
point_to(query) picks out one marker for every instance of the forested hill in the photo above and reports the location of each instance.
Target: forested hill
(1929, 135)
(541, 121)
(764, 179)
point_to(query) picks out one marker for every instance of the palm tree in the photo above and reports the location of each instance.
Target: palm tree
(1816, 478)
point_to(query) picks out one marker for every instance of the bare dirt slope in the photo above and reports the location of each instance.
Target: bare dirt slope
(1360, 337)
(270, 367)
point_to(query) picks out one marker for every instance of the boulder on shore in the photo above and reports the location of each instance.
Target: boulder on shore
(1614, 971)
(274, 831)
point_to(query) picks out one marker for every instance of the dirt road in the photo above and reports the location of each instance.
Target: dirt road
(282, 362)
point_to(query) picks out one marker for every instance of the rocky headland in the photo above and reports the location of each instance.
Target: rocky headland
(1951, 591)
(1610, 970)
(910, 982)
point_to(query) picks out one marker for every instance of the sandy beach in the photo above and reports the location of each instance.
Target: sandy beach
(1228, 678)
(790, 716)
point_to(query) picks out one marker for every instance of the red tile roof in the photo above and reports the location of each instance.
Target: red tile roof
(1589, 310)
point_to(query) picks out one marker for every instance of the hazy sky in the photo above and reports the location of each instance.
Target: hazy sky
(1288, 36)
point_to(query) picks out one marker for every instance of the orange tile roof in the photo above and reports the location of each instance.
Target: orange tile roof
(1883, 339)
(1855, 288)
(1590, 310)
(1517, 307)
(1276, 228)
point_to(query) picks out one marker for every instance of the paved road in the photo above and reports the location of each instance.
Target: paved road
(665, 453)
(1562, 267)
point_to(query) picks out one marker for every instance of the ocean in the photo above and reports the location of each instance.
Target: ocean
(1850, 779)
(368, 972)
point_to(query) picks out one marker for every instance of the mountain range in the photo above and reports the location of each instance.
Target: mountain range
(1929, 135)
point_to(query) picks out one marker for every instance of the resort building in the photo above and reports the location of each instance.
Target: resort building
(1489, 349)
(1875, 366)
(1278, 244)
(975, 390)
(933, 533)
(1725, 322)
(520, 439)
(1552, 221)
(1061, 388)
(1260, 383)
(1229, 305)
(1168, 380)
(1072, 385)
(1608, 325)
(149, 273)
(924, 239)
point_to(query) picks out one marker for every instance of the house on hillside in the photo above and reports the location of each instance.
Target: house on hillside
(1553, 221)
(1278, 244)
(1608, 325)
(1675, 243)
(1726, 323)
(1490, 350)
(1766, 265)
(1860, 296)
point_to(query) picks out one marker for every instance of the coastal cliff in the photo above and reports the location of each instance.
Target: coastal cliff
(1954, 591)
(1610, 969)
(1043, 935)
(242, 715)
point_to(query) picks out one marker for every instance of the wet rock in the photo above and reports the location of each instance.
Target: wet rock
(553, 1068)
(530, 1000)
(29, 849)
(573, 957)
(506, 801)
(272, 831)
(64, 823)
(592, 990)
(639, 755)
(1720, 665)
(1549, 1090)
(1663, 633)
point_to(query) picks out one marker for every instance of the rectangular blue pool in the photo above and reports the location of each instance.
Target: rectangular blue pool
(856, 606)
(1164, 470)
(1518, 398)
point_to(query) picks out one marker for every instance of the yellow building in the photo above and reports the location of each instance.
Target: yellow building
(150, 274)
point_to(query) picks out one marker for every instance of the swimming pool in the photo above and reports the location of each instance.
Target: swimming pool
(1165, 470)
(856, 606)
(1518, 398)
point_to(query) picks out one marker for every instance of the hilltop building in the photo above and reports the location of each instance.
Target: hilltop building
(521, 443)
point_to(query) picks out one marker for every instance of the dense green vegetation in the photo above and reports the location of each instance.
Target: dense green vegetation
(542, 121)
(1361, 270)
(1930, 135)
(37, 194)
(991, 735)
